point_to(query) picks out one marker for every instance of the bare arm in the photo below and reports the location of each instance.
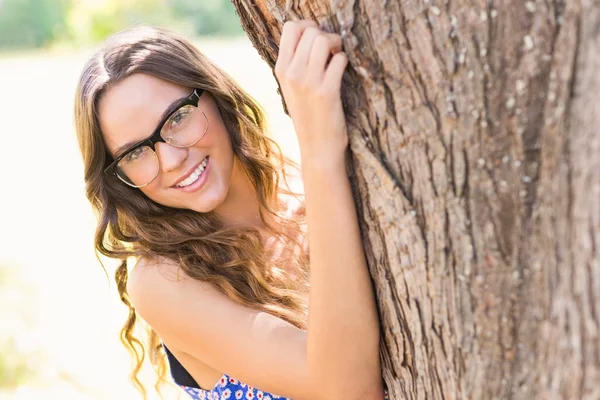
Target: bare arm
(343, 327)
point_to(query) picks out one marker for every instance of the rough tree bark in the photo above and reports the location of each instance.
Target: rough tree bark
(475, 132)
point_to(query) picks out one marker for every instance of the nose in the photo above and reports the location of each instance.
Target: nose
(170, 157)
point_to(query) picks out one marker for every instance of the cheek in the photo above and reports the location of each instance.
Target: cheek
(154, 192)
(216, 141)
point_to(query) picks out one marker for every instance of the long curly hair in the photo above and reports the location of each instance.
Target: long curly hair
(130, 224)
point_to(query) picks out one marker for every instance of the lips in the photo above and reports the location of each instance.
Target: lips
(196, 179)
(192, 175)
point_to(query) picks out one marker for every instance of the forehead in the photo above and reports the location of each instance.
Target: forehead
(130, 110)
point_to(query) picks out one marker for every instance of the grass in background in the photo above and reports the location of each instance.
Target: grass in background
(20, 355)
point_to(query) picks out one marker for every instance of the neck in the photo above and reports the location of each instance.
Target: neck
(241, 207)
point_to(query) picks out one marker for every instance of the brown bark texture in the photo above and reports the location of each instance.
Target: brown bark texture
(475, 137)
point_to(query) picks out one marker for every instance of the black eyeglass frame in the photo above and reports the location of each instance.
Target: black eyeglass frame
(151, 141)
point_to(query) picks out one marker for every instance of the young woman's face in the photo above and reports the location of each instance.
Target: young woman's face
(131, 110)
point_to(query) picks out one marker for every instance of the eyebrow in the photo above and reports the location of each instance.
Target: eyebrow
(132, 143)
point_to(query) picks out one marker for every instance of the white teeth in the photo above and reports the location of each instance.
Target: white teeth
(194, 176)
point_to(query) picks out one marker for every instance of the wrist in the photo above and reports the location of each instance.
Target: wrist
(328, 163)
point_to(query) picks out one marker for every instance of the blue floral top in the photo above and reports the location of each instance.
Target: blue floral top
(226, 388)
(229, 388)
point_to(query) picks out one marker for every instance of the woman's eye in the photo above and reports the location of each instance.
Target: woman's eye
(134, 155)
(178, 118)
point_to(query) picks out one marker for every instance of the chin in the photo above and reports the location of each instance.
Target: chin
(206, 203)
(201, 208)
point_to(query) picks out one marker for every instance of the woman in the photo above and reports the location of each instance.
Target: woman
(184, 180)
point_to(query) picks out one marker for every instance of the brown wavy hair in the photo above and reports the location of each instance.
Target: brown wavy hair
(131, 225)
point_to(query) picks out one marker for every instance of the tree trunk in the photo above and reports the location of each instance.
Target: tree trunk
(475, 134)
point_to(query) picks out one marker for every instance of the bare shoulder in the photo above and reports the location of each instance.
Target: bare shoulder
(146, 268)
(148, 273)
(151, 280)
(199, 320)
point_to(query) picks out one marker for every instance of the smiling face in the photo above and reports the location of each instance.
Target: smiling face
(131, 110)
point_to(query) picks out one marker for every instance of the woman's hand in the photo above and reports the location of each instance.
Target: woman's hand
(311, 89)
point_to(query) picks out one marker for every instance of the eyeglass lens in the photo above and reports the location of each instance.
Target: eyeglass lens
(140, 166)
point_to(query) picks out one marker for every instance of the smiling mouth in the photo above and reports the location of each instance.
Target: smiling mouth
(194, 176)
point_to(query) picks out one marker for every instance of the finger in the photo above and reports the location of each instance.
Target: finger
(290, 36)
(335, 71)
(302, 53)
(323, 46)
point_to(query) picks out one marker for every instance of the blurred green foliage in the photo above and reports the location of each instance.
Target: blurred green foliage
(32, 23)
(15, 367)
(93, 21)
(39, 23)
(216, 17)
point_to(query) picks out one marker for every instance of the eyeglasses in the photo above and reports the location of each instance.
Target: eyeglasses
(139, 165)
